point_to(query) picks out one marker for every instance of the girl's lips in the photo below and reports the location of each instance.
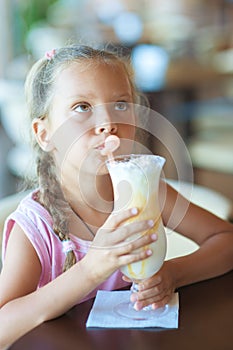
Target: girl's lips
(107, 147)
(100, 147)
(111, 143)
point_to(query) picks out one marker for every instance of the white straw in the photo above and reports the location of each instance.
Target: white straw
(112, 142)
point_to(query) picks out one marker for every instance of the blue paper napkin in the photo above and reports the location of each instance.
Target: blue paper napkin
(103, 313)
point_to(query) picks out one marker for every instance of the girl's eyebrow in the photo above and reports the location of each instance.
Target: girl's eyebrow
(82, 97)
(92, 96)
(123, 95)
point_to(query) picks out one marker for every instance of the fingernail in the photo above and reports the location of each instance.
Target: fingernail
(137, 306)
(133, 298)
(154, 236)
(134, 211)
(150, 223)
(149, 252)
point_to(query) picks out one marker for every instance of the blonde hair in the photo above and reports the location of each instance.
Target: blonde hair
(39, 91)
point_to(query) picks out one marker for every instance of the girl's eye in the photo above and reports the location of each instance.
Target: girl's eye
(121, 106)
(82, 108)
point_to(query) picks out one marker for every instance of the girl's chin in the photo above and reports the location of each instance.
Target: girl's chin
(94, 165)
(102, 169)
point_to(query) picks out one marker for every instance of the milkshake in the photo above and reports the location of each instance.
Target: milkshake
(135, 180)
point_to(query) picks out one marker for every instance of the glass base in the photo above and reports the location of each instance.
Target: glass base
(127, 310)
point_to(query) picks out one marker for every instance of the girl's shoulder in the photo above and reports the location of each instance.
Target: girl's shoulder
(33, 219)
(36, 223)
(30, 207)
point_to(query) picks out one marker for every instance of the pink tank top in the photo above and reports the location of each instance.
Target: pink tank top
(37, 225)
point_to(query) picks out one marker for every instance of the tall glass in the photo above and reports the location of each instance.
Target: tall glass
(135, 180)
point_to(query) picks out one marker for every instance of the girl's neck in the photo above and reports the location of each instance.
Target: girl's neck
(91, 199)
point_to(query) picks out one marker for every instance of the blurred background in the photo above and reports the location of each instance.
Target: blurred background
(182, 54)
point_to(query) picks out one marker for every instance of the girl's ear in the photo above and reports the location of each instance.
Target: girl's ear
(41, 132)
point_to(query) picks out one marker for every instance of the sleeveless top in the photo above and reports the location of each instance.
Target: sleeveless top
(36, 222)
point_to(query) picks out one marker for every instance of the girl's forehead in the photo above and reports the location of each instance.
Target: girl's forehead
(81, 74)
(93, 67)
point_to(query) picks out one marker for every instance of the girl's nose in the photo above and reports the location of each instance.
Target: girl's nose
(106, 128)
(104, 123)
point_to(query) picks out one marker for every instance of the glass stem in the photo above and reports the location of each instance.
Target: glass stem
(134, 289)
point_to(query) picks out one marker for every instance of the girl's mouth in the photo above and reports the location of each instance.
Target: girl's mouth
(100, 147)
(110, 145)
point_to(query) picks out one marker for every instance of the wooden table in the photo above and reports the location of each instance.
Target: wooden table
(205, 322)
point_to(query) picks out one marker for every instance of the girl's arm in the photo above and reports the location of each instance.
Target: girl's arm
(213, 235)
(30, 310)
(25, 307)
(22, 305)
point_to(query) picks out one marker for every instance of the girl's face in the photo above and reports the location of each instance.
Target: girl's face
(89, 104)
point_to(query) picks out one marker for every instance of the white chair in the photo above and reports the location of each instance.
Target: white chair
(178, 245)
(211, 146)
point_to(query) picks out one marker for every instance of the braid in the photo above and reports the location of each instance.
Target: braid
(52, 198)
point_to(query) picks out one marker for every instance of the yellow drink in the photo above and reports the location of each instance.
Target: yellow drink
(135, 180)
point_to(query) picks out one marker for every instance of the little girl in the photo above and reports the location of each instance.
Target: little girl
(57, 244)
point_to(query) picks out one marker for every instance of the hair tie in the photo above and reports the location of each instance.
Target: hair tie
(68, 246)
(50, 54)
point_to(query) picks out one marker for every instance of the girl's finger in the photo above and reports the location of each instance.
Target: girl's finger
(117, 219)
(154, 292)
(126, 279)
(162, 302)
(150, 283)
(127, 232)
(155, 304)
(129, 247)
(134, 257)
(119, 242)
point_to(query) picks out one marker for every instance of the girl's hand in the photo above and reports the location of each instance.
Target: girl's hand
(114, 247)
(156, 290)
